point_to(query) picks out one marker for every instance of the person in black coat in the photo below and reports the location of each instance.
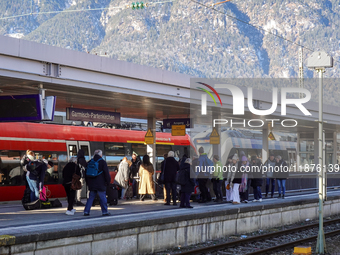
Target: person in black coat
(82, 165)
(189, 185)
(134, 168)
(68, 171)
(256, 181)
(281, 173)
(97, 185)
(171, 167)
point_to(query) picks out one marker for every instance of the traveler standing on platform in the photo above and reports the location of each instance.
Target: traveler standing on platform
(35, 175)
(256, 181)
(218, 179)
(244, 186)
(97, 178)
(228, 191)
(281, 175)
(204, 163)
(81, 162)
(171, 168)
(145, 173)
(68, 171)
(162, 170)
(122, 177)
(234, 183)
(189, 185)
(270, 164)
(134, 168)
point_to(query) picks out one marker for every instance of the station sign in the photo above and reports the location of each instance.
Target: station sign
(167, 123)
(92, 115)
(178, 130)
(214, 137)
(149, 138)
(27, 108)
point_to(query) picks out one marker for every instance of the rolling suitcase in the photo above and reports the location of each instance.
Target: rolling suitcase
(112, 194)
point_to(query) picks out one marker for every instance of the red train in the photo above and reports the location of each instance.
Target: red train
(59, 142)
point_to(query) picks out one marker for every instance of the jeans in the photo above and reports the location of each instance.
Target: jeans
(134, 187)
(281, 183)
(217, 189)
(102, 201)
(257, 193)
(185, 199)
(34, 188)
(171, 186)
(70, 196)
(268, 180)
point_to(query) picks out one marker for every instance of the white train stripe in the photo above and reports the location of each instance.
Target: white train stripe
(31, 139)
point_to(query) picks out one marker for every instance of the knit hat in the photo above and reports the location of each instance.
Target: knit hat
(235, 157)
(244, 158)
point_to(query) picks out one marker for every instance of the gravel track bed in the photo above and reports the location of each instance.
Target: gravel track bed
(332, 242)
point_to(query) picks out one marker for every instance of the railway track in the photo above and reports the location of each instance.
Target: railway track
(264, 244)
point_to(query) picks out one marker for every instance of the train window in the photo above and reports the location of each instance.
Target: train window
(85, 148)
(114, 149)
(72, 150)
(162, 149)
(10, 170)
(139, 149)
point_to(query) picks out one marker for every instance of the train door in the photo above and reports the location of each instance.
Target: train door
(72, 149)
(85, 146)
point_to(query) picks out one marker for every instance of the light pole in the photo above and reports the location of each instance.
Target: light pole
(320, 60)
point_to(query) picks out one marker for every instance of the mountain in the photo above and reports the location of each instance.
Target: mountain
(238, 39)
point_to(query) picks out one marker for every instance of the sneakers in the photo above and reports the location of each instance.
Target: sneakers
(255, 200)
(236, 203)
(73, 210)
(106, 214)
(246, 201)
(260, 200)
(69, 212)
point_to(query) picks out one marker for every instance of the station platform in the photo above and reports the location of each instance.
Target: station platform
(146, 227)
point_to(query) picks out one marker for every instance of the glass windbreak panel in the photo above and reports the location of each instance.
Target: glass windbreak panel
(72, 150)
(139, 149)
(11, 173)
(307, 146)
(85, 148)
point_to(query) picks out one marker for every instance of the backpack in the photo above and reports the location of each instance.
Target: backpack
(92, 168)
(180, 177)
(208, 164)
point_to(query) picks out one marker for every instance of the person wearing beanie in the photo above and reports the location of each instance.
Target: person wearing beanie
(256, 181)
(244, 187)
(232, 183)
(270, 164)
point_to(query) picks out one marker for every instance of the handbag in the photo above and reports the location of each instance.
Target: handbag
(76, 184)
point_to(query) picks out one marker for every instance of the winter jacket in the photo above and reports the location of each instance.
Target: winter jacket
(218, 174)
(270, 164)
(39, 172)
(189, 185)
(81, 162)
(99, 182)
(134, 168)
(170, 170)
(256, 179)
(68, 172)
(122, 177)
(146, 182)
(234, 176)
(281, 170)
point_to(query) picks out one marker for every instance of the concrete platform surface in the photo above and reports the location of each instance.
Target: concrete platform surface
(39, 225)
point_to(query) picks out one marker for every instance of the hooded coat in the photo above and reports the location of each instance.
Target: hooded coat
(189, 185)
(99, 182)
(171, 168)
(145, 182)
(283, 173)
(123, 174)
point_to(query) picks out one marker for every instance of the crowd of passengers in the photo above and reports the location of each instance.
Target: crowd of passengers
(135, 179)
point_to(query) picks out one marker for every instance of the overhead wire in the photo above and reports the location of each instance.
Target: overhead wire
(76, 10)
